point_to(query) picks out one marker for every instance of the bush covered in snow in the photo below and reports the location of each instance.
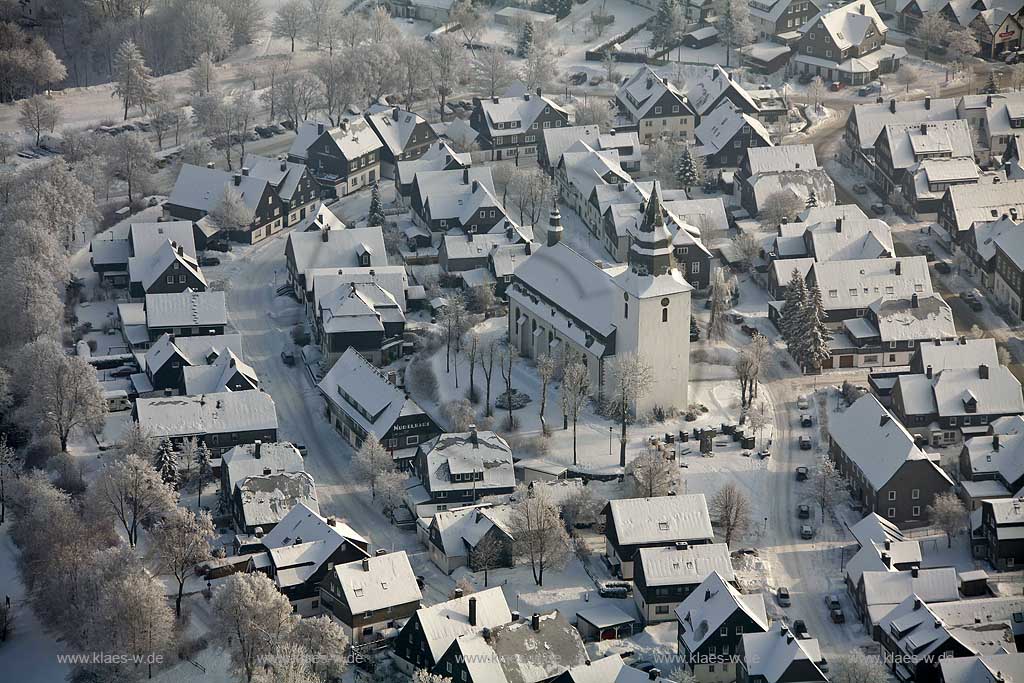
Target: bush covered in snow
(421, 374)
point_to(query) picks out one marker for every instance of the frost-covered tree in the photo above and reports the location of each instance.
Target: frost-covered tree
(662, 154)
(325, 642)
(689, 169)
(31, 306)
(595, 111)
(180, 542)
(539, 535)
(136, 620)
(812, 199)
(201, 27)
(445, 67)
(38, 115)
(827, 481)
(948, 513)
(575, 392)
(505, 363)
(541, 67)
(546, 367)
(390, 491)
(244, 19)
(487, 367)
(651, 474)
(202, 77)
(779, 206)
(137, 441)
(204, 469)
(633, 376)
(454, 322)
(133, 80)
(813, 343)
(60, 393)
(251, 617)
(493, 70)
(792, 322)
(731, 511)
(10, 466)
(290, 21)
(166, 463)
(51, 197)
(733, 24)
(524, 43)
(666, 24)
(231, 214)
(375, 216)
(130, 157)
(932, 29)
(857, 667)
(335, 75)
(424, 676)
(371, 461)
(721, 301)
(132, 492)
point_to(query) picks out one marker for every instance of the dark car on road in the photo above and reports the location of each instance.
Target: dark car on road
(805, 78)
(806, 420)
(805, 443)
(803, 511)
(288, 358)
(578, 78)
(972, 301)
(943, 267)
(860, 188)
(878, 209)
(806, 532)
(209, 261)
(802, 473)
(783, 596)
(220, 245)
(799, 628)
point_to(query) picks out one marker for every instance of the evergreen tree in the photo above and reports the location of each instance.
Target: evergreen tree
(812, 345)
(525, 40)
(133, 81)
(812, 199)
(166, 463)
(662, 25)
(376, 216)
(687, 172)
(560, 8)
(203, 469)
(992, 86)
(792, 324)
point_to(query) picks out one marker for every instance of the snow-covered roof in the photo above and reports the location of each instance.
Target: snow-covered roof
(918, 318)
(939, 584)
(445, 190)
(558, 140)
(717, 129)
(781, 158)
(306, 525)
(460, 530)
(671, 566)
(1010, 241)
(378, 582)
(215, 377)
(202, 189)
(586, 167)
(186, 309)
(355, 138)
(438, 157)
(800, 183)
(242, 462)
(283, 175)
(352, 308)
(610, 669)
(150, 267)
(516, 114)
(710, 605)
(856, 284)
(1002, 455)
(444, 622)
(985, 202)
(321, 217)
(998, 394)
(959, 353)
(825, 214)
(666, 519)
(870, 118)
(395, 127)
(305, 135)
(875, 528)
(604, 615)
(230, 411)
(336, 248)
(855, 239)
(506, 258)
(910, 143)
(850, 24)
(453, 459)
(321, 283)
(1007, 107)
(777, 655)
(705, 93)
(639, 93)
(266, 499)
(985, 234)
(1008, 667)
(147, 237)
(874, 440)
(364, 394)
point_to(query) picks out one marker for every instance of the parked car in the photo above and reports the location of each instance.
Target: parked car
(288, 123)
(802, 402)
(944, 267)
(837, 616)
(832, 602)
(220, 245)
(860, 188)
(209, 261)
(694, 334)
(288, 358)
(764, 453)
(782, 594)
(578, 78)
(806, 420)
(928, 253)
(748, 330)
(806, 532)
(864, 91)
(836, 86)
(802, 473)
(804, 442)
(123, 372)
(735, 318)
(275, 129)
(972, 301)
(878, 209)
(596, 80)
(301, 448)
(803, 511)
(805, 78)
(799, 628)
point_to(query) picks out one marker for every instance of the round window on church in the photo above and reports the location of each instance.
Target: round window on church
(664, 302)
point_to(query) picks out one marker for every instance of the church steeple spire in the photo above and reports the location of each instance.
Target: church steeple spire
(554, 224)
(651, 250)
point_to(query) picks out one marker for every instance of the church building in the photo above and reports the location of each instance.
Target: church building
(562, 302)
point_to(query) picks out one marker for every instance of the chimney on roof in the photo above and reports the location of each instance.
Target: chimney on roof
(879, 100)
(914, 303)
(892, 106)
(366, 564)
(258, 532)
(928, 372)
(924, 129)
(472, 611)
(238, 179)
(526, 96)
(707, 595)
(927, 102)
(995, 442)
(494, 99)
(650, 82)
(839, 224)
(181, 250)
(682, 545)
(888, 543)
(473, 438)
(538, 92)
(914, 571)
(714, 74)
(886, 560)
(319, 129)
(665, 80)
(515, 616)
(783, 630)
(284, 165)
(535, 622)
(917, 604)
(256, 449)
(332, 521)
(988, 101)
(861, 9)
(245, 170)
(983, 371)
(325, 234)
(653, 674)
(883, 420)
(476, 186)
(899, 267)
(554, 225)
(465, 176)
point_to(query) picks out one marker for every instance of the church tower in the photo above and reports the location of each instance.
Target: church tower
(654, 319)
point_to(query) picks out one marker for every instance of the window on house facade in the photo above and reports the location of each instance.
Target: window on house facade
(891, 513)
(916, 511)
(892, 495)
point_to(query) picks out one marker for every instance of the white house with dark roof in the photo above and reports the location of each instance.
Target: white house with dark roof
(711, 623)
(361, 401)
(371, 598)
(778, 656)
(509, 127)
(219, 420)
(405, 135)
(457, 469)
(431, 630)
(330, 248)
(292, 182)
(199, 190)
(663, 576)
(886, 470)
(187, 313)
(635, 523)
(655, 107)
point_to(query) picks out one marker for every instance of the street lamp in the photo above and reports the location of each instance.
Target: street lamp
(765, 525)
(609, 441)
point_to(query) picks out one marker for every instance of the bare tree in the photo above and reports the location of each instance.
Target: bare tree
(472, 355)
(493, 70)
(39, 114)
(459, 413)
(130, 157)
(857, 667)
(413, 64)
(202, 76)
(61, 394)
(10, 466)
(136, 619)
(371, 461)
(778, 207)
(231, 214)
(948, 513)
(487, 555)
(546, 366)
(721, 302)
(651, 474)
(487, 365)
(251, 618)
(538, 533)
(932, 29)
(816, 92)
(633, 376)
(454, 320)
(180, 542)
(826, 481)
(133, 493)
(758, 418)
(204, 469)
(446, 61)
(595, 111)
(135, 440)
(747, 248)
(575, 391)
(581, 507)
(289, 21)
(731, 512)
(335, 75)
(325, 643)
(505, 365)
